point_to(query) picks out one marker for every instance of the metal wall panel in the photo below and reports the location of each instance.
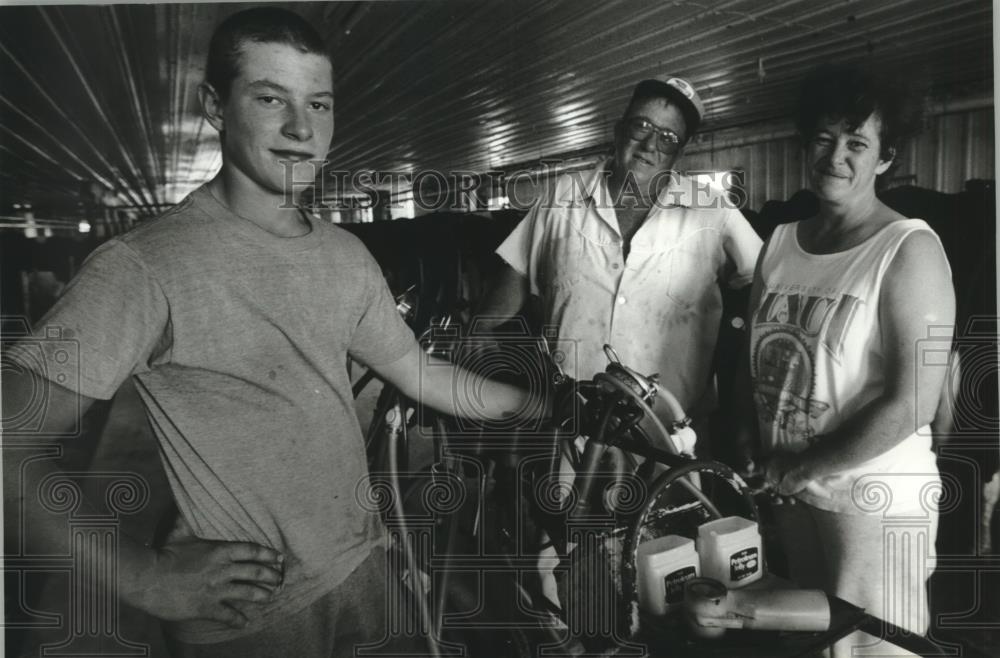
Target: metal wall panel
(952, 149)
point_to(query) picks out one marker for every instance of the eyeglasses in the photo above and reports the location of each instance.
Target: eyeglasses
(667, 141)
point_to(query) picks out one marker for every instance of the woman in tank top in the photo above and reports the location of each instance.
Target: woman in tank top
(843, 307)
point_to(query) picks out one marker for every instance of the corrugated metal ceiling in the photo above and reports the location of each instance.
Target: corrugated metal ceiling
(101, 100)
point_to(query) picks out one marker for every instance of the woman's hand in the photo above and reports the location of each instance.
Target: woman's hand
(784, 472)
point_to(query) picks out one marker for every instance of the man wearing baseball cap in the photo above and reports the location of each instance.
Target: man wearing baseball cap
(631, 253)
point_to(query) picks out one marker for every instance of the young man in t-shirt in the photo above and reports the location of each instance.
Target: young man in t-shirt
(235, 314)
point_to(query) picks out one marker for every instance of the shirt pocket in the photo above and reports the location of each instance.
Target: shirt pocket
(564, 262)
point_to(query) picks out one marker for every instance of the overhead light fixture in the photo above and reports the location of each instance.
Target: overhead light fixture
(83, 226)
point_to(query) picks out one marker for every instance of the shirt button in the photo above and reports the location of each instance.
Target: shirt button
(615, 266)
(621, 300)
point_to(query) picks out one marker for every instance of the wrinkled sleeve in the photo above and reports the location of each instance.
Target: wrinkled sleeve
(521, 248)
(381, 335)
(108, 324)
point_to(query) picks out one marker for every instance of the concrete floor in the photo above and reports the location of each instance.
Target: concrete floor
(965, 593)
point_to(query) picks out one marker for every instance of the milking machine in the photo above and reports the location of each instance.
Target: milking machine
(655, 546)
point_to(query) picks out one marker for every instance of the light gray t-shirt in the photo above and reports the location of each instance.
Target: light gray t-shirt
(238, 341)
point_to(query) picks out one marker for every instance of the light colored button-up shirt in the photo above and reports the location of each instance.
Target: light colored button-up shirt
(661, 308)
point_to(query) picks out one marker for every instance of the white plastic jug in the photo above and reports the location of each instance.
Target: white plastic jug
(663, 566)
(730, 551)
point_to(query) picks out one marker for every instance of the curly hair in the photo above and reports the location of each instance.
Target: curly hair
(258, 25)
(852, 93)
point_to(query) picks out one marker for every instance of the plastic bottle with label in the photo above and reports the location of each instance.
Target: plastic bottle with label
(730, 551)
(664, 565)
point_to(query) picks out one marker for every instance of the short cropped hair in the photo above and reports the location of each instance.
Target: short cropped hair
(258, 25)
(852, 93)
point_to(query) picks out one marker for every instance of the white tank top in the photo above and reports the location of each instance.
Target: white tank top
(816, 358)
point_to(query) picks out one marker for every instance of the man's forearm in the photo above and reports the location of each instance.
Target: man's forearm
(22, 481)
(453, 390)
(745, 444)
(459, 392)
(49, 531)
(506, 297)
